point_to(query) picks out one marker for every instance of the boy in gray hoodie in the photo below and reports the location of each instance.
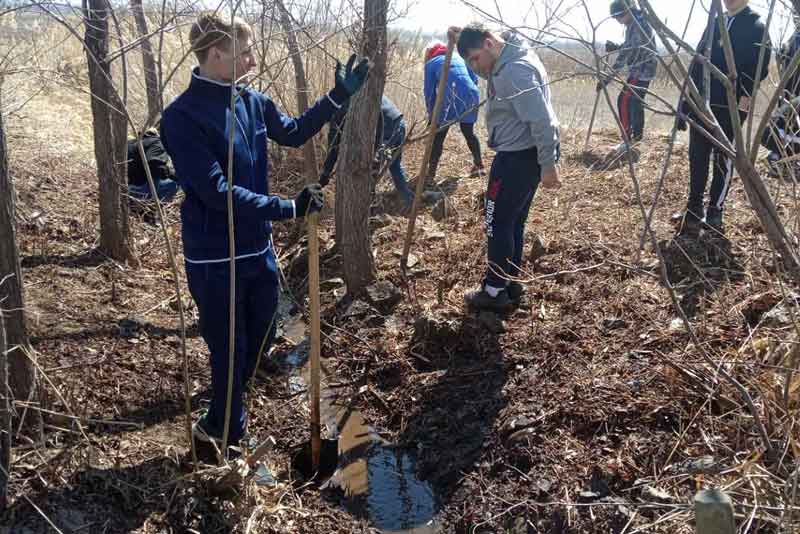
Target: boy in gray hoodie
(523, 131)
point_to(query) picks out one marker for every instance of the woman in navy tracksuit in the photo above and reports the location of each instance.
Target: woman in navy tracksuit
(747, 33)
(196, 128)
(460, 103)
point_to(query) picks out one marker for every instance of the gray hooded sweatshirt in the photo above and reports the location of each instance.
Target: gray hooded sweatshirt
(519, 114)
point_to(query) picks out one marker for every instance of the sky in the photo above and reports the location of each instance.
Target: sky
(436, 15)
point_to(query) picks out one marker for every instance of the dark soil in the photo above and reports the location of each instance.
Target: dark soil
(556, 425)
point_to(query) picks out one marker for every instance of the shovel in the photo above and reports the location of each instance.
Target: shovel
(313, 295)
(441, 88)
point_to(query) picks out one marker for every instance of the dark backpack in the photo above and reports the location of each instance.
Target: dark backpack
(156, 156)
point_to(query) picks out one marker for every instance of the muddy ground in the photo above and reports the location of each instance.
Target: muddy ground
(585, 415)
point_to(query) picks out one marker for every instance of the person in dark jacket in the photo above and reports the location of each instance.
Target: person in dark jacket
(195, 129)
(460, 103)
(157, 160)
(389, 139)
(747, 34)
(787, 52)
(782, 139)
(638, 55)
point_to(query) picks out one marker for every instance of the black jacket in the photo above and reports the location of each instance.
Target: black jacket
(784, 60)
(747, 32)
(389, 122)
(157, 160)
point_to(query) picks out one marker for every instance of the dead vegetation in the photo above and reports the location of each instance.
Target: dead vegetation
(588, 409)
(591, 413)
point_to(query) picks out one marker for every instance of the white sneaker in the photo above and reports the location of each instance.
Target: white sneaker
(621, 148)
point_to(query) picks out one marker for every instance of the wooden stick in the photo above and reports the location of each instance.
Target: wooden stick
(313, 295)
(426, 158)
(591, 122)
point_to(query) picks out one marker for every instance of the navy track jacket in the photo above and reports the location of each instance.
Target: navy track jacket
(195, 128)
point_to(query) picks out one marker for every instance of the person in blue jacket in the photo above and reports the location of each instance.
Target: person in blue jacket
(195, 130)
(460, 103)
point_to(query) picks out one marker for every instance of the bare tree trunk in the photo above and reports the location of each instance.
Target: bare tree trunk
(5, 420)
(301, 85)
(767, 214)
(154, 102)
(110, 132)
(11, 297)
(355, 160)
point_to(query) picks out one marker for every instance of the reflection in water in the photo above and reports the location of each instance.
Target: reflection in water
(396, 499)
(379, 480)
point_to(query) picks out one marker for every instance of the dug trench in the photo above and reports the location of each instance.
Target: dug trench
(378, 480)
(558, 424)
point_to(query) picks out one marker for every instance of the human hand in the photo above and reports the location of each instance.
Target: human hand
(550, 178)
(309, 200)
(349, 79)
(744, 103)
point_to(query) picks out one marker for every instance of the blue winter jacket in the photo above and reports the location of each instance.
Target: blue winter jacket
(462, 94)
(194, 130)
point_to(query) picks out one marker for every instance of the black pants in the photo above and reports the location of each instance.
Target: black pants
(468, 131)
(513, 180)
(700, 150)
(630, 104)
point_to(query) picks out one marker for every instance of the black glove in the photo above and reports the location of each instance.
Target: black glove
(348, 79)
(611, 46)
(601, 83)
(324, 179)
(309, 200)
(680, 124)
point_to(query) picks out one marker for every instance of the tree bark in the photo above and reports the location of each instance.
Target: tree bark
(5, 420)
(301, 87)
(110, 136)
(154, 102)
(356, 155)
(11, 294)
(767, 214)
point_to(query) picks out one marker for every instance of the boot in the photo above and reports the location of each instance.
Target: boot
(714, 220)
(481, 300)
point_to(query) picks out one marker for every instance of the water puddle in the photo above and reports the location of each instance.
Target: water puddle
(379, 480)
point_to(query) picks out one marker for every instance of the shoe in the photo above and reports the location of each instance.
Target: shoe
(515, 291)
(772, 164)
(481, 300)
(208, 445)
(201, 435)
(621, 149)
(690, 227)
(714, 220)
